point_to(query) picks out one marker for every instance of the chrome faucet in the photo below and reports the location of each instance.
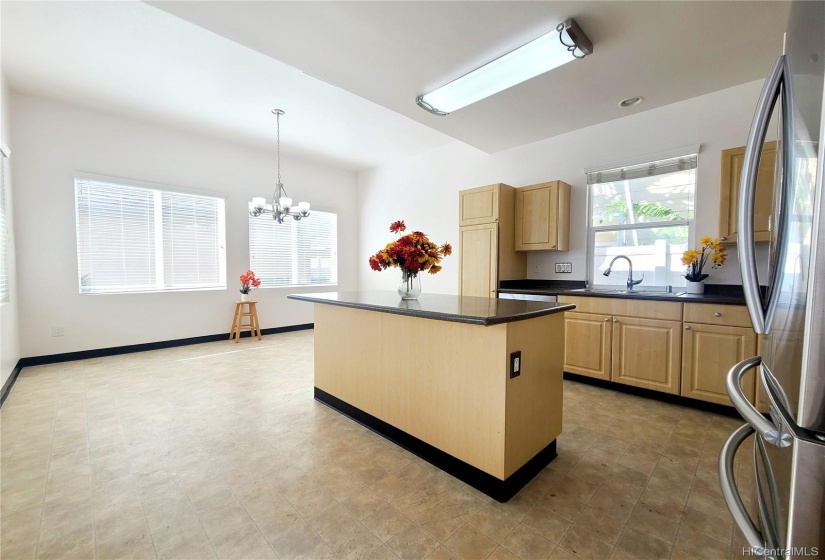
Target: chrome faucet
(630, 281)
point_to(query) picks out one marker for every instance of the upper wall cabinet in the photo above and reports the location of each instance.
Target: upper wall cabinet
(479, 206)
(543, 217)
(729, 204)
(486, 254)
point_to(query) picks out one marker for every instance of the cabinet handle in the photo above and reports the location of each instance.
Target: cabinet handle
(615, 320)
(717, 314)
(723, 239)
(552, 246)
(606, 320)
(687, 327)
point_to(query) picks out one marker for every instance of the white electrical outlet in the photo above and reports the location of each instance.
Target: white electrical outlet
(536, 268)
(58, 331)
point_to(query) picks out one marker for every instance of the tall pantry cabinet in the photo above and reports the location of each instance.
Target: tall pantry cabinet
(486, 240)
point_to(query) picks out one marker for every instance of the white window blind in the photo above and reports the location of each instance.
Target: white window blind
(646, 213)
(4, 233)
(135, 239)
(295, 253)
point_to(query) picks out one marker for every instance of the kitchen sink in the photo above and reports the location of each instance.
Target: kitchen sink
(609, 291)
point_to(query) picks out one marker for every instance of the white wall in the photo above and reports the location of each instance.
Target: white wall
(53, 140)
(9, 327)
(423, 189)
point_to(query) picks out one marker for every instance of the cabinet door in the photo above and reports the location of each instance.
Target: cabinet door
(478, 254)
(731, 174)
(709, 352)
(587, 344)
(537, 210)
(646, 353)
(478, 206)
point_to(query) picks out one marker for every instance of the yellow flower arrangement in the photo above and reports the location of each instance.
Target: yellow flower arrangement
(696, 259)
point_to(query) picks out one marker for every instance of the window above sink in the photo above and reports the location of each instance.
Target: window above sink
(645, 212)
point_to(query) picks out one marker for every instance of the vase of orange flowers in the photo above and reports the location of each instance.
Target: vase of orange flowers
(412, 253)
(248, 282)
(710, 250)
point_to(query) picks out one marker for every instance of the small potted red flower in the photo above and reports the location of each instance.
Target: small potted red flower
(248, 282)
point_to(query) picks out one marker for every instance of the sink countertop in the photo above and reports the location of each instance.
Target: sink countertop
(724, 294)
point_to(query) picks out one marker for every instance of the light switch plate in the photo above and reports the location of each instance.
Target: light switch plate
(515, 364)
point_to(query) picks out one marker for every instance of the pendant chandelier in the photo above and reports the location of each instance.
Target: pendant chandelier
(281, 205)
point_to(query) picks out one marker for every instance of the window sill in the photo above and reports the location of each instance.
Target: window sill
(167, 291)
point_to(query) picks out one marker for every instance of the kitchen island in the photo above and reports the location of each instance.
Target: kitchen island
(472, 385)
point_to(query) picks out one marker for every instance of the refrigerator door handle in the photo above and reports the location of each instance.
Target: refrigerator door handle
(768, 515)
(783, 417)
(731, 493)
(772, 434)
(777, 83)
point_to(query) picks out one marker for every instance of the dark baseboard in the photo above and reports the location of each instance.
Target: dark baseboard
(10, 382)
(130, 349)
(500, 490)
(719, 409)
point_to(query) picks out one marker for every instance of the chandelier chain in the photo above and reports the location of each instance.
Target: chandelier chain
(278, 121)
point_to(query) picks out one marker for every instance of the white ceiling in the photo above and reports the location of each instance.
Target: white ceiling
(389, 52)
(221, 68)
(133, 59)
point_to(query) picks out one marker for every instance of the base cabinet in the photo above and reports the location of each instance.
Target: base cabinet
(709, 351)
(665, 346)
(587, 344)
(646, 353)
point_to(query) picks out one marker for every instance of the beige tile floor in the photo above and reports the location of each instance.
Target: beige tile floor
(219, 450)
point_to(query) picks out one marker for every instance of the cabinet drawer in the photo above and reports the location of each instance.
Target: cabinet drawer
(645, 309)
(715, 314)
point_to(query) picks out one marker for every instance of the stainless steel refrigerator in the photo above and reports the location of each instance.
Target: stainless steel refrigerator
(788, 455)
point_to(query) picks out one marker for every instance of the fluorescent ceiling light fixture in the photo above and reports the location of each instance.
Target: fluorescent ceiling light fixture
(541, 55)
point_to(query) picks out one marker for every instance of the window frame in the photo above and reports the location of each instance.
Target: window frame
(295, 249)
(593, 230)
(5, 229)
(158, 190)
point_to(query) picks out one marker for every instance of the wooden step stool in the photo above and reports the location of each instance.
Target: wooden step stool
(237, 322)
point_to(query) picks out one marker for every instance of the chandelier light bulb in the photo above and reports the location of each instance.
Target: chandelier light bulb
(259, 202)
(285, 202)
(303, 206)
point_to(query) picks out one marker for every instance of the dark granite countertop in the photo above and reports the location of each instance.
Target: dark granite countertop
(459, 309)
(725, 294)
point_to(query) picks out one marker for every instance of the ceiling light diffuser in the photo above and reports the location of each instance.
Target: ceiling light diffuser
(541, 55)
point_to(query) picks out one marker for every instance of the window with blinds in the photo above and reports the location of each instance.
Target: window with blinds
(644, 212)
(295, 253)
(138, 239)
(5, 238)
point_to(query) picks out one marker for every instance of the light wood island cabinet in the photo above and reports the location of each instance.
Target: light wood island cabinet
(543, 217)
(732, 160)
(486, 250)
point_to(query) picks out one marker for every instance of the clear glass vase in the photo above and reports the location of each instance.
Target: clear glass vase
(410, 285)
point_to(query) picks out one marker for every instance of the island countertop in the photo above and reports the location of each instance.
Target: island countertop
(441, 307)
